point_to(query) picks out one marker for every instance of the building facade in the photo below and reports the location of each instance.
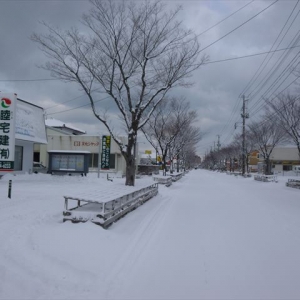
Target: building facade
(284, 158)
(29, 129)
(58, 140)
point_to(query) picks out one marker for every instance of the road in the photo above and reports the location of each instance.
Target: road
(208, 236)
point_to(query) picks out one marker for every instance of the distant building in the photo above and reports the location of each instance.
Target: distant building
(283, 158)
(64, 128)
(253, 160)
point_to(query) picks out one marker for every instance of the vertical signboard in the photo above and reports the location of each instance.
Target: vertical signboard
(105, 152)
(7, 131)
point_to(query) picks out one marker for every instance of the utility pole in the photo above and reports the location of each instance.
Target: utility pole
(218, 144)
(245, 116)
(218, 147)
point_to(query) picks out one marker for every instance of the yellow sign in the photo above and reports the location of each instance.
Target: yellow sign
(158, 158)
(148, 152)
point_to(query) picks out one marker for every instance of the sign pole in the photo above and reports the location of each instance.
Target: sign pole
(99, 152)
(9, 189)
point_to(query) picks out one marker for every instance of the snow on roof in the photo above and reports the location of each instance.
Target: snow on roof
(57, 123)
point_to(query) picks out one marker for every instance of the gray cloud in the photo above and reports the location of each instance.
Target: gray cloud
(216, 86)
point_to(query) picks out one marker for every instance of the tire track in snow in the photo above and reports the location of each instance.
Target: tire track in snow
(25, 261)
(132, 254)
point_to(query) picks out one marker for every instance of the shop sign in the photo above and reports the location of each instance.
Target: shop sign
(7, 131)
(105, 155)
(85, 144)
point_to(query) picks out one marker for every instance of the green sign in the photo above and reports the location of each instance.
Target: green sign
(105, 152)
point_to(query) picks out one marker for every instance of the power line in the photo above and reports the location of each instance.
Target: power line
(261, 67)
(200, 50)
(224, 19)
(249, 55)
(253, 79)
(239, 26)
(279, 62)
(207, 63)
(273, 70)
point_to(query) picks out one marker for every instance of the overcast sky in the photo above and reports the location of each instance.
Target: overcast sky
(217, 87)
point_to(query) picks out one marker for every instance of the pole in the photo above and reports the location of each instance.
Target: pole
(244, 116)
(218, 144)
(135, 153)
(9, 188)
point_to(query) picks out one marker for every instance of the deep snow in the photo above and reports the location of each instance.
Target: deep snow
(208, 236)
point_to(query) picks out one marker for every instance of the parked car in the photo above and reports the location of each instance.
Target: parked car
(39, 168)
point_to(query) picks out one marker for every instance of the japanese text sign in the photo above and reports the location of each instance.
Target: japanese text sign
(7, 131)
(105, 155)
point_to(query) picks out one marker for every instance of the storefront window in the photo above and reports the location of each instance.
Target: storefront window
(287, 167)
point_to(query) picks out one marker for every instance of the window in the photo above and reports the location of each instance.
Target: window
(18, 158)
(112, 161)
(287, 167)
(36, 156)
(93, 162)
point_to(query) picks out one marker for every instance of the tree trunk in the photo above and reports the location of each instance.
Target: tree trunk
(130, 160)
(247, 163)
(164, 164)
(130, 171)
(268, 166)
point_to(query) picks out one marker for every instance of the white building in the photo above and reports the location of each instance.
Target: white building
(283, 158)
(66, 137)
(29, 129)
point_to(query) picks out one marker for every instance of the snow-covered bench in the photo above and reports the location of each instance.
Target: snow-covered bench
(294, 183)
(176, 177)
(166, 180)
(101, 212)
(234, 173)
(265, 178)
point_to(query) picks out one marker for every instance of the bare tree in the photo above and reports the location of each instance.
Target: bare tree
(286, 108)
(211, 160)
(266, 135)
(136, 52)
(190, 158)
(169, 129)
(185, 142)
(249, 146)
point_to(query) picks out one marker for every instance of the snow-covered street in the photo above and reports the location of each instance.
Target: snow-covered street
(208, 236)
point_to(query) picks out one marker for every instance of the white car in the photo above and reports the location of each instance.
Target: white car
(39, 168)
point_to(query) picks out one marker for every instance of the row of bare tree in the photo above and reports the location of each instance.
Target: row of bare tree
(171, 132)
(135, 52)
(280, 124)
